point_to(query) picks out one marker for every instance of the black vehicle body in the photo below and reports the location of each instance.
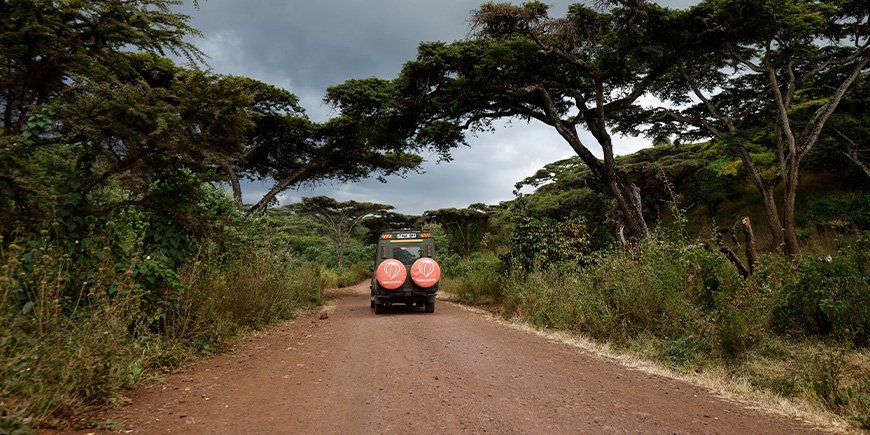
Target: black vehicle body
(407, 246)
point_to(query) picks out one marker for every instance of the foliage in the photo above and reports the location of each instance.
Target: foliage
(570, 73)
(473, 280)
(540, 243)
(339, 219)
(51, 48)
(773, 78)
(464, 228)
(828, 297)
(133, 311)
(688, 307)
(840, 212)
(377, 225)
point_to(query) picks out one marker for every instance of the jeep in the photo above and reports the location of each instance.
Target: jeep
(405, 270)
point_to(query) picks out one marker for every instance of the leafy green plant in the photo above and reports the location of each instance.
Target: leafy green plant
(828, 297)
(826, 378)
(475, 280)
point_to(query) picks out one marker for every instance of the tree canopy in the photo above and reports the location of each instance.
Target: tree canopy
(464, 227)
(572, 73)
(772, 82)
(339, 218)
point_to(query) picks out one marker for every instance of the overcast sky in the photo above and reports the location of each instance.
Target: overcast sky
(306, 46)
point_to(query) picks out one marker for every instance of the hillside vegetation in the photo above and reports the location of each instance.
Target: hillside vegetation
(797, 328)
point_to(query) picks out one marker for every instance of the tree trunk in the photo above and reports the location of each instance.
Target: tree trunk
(263, 203)
(771, 212)
(634, 204)
(791, 247)
(234, 183)
(627, 195)
(339, 248)
(729, 253)
(751, 254)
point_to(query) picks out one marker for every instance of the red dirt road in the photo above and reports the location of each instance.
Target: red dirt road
(410, 372)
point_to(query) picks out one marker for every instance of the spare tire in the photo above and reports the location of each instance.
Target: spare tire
(425, 272)
(391, 274)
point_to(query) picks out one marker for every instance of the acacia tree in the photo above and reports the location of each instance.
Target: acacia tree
(63, 60)
(336, 150)
(338, 218)
(772, 81)
(465, 227)
(378, 224)
(156, 133)
(81, 110)
(49, 48)
(572, 74)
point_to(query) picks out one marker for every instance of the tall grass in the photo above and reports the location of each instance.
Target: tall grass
(61, 352)
(475, 280)
(350, 275)
(617, 296)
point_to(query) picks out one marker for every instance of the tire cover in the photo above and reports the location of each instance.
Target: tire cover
(426, 272)
(391, 274)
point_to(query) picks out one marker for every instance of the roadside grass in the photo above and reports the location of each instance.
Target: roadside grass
(62, 353)
(474, 280)
(350, 275)
(794, 331)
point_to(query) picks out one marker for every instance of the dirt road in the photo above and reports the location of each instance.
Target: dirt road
(410, 372)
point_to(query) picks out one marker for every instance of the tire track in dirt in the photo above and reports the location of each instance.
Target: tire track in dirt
(410, 372)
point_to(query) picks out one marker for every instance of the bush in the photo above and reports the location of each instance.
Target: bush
(825, 376)
(828, 297)
(473, 280)
(664, 290)
(352, 275)
(72, 334)
(840, 212)
(542, 241)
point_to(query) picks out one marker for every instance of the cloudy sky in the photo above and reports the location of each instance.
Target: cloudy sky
(306, 46)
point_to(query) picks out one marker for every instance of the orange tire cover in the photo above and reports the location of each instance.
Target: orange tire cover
(426, 272)
(391, 274)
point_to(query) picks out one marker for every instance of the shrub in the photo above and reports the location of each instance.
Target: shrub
(69, 341)
(825, 376)
(473, 280)
(838, 212)
(538, 241)
(617, 295)
(351, 275)
(828, 297)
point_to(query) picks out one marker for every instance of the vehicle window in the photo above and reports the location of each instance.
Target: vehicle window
(406, 254)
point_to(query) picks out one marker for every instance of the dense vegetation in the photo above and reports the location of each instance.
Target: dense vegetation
(121, 253)
(797, 328)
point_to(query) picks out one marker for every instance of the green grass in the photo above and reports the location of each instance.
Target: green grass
(475, 280)
(348, 276)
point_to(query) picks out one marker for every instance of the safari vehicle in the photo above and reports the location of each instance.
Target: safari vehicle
(405, 270)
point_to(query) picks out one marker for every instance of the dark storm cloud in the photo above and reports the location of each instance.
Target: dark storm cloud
(306, 46)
